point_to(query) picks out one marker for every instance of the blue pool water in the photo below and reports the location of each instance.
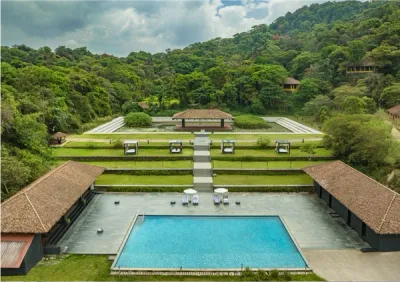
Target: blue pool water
(209, 242)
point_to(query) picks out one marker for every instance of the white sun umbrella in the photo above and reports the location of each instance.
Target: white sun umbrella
(221, 190)
(190, 191)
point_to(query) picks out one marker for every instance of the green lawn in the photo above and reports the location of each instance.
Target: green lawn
(117, 152)
(141, 164)
(188, 136)
(74, 144)
(137, 136)
(262, 179)
(120, 179)
(321, 152)
(97, 268)
(265, 165)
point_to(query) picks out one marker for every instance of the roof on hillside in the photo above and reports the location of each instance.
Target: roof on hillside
(202, 114)
(374, 203)
(291, 80)
(143, 105)
(38, 207)
(59, 134)
(394, 110)
(14, 248)
(362, 63)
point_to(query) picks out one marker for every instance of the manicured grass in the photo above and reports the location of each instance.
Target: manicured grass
(262, 179)
(80, 144)
(186, 136)
(120, 179)
(142, 164)
(116, 152)
(97, 268)
(321, 152)
(265, 165)
(137, 136)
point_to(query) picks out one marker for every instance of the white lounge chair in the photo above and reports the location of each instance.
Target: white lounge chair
(195, 200)
(185, 200)
(226, 200)
(217, 200)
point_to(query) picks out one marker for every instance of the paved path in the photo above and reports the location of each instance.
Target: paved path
(293, 126)
(353, 265)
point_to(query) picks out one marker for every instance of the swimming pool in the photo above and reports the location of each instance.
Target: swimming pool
(208, 242)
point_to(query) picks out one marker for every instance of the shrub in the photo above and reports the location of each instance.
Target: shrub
(117, 144)
(286, 276)
(274, 274)
(137, 119)
(250, 122)
(263, 142)
(90, 145)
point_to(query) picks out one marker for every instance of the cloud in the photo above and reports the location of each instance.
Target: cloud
(120, 27)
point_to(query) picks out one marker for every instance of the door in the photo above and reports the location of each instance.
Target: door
(348, 218)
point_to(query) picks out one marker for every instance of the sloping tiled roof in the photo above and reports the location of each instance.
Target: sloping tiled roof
(37, 207)
(143, 105)
(202, 114)
(372, 202)
(59, 134)
(291, 80)
(362, 63)
(13, 249)
(394, 110)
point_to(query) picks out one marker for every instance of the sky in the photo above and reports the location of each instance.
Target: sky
(121, 27)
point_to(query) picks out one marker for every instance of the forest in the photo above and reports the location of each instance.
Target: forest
(70, 90)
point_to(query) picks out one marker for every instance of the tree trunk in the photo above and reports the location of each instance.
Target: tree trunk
(5, 187)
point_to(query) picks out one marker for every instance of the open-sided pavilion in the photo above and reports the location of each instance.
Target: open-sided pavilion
(211, 119)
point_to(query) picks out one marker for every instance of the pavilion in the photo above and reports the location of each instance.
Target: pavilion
(368, 207)
(290, 84)
(58, 138)
(34, 219)
(394, 112)
(203, 119)
(364, 66)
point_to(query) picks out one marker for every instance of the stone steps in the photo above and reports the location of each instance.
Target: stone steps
(108, 127)
(202, 168)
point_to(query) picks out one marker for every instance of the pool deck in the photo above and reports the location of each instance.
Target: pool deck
(329, 246)
(305, 216)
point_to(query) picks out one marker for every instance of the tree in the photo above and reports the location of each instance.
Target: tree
(390, 96)
(359, 139)
(309, 149)
(14, 174)
(357, 50)
(353, 105)
(315, 105)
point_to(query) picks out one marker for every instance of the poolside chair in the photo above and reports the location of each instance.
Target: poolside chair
(217, 200)
(185, 200)
(195, 200)
(226, 200)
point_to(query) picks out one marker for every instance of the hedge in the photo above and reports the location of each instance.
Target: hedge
(138, 119)
(140, 189)
(148, 171)
(250, 122)
(259, 189)
(143, 146)
(221, 171)
(262, 159)
(255, 147)
(126, 158)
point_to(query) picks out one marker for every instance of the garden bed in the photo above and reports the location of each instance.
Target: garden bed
(264, 165)
(116, 179)
(263, 179)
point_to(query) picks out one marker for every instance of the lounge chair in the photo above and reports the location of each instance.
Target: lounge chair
(226, 201)
(185, 200)
(217, 200)
(195, 200)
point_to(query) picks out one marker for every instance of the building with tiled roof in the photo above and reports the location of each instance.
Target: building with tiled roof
(34, 219)
(290, 84)
(394, 112)
(370, 208)
(206, 115)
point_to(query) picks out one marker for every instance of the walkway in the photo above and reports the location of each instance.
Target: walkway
(293, 126)
(202, 170)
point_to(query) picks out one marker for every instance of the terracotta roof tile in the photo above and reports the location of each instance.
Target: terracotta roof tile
(372, 202)
(394, 110)
(37, 207)
(202, 114)
(13, 249)
(291, 80)
(59, 135)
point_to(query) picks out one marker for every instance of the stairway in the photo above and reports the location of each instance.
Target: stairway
(108, 127)
(202, 169)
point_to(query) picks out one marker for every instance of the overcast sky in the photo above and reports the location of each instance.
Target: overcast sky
(120, 27)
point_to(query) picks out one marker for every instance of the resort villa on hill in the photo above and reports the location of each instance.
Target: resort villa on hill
(36, 218)
(203, 119)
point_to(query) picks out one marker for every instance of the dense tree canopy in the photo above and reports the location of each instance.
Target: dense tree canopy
(44, 90)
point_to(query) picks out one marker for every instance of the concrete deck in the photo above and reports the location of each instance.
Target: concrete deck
(202, 166)
(305, 215)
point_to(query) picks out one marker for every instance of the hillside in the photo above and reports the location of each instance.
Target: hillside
(46, 90)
